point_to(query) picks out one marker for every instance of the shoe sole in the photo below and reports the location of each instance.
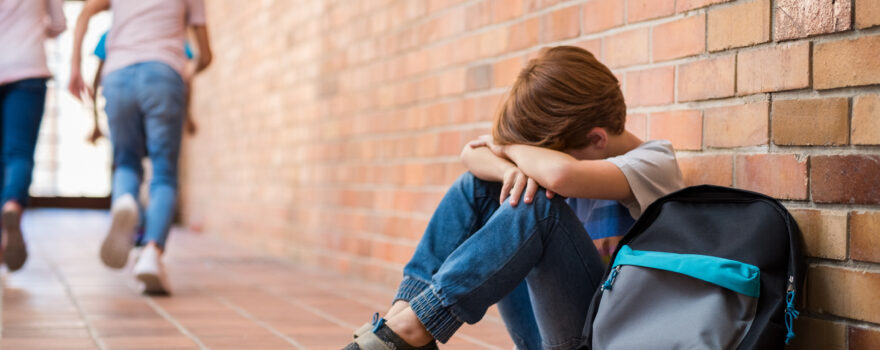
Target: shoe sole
(16, 251)
(152, 284)
(118, 243)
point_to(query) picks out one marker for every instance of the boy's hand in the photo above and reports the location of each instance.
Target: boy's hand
(489, 142)
(515, 184)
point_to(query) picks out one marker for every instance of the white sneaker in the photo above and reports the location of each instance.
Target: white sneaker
(150, 270)
(120, 238)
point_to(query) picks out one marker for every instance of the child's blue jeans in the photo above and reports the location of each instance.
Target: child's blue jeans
(476, 253)
(21, 110)
(145, 110)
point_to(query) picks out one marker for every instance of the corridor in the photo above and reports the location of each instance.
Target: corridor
(225, 298)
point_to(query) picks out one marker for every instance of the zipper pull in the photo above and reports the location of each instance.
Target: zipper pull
(611, 277)
(790, 312)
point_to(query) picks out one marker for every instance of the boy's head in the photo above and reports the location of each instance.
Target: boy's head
(558, 99)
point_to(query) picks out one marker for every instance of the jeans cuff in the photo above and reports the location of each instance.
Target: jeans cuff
(409, 289)
(436, 318)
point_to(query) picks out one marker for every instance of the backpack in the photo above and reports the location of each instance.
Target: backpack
(706, 267)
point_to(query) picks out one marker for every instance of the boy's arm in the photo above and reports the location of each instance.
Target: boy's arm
(567, 176)
(484, 164)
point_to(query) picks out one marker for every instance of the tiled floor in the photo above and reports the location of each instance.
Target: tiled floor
(225, 298)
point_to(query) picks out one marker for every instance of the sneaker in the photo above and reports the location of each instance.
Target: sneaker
(150, 270)
(16, 250)
(379, 336)
(118, 243)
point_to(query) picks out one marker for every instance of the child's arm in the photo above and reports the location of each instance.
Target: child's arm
(567, 176)
(76, 86)
(57, 22)
(204, 56)
(96, 131)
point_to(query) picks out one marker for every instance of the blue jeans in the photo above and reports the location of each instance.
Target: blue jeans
(535, 260)
(145, 110)
(21, 111)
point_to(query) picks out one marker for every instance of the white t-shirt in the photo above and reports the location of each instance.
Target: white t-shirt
(652, 172)
(24, 27)
(151, 30)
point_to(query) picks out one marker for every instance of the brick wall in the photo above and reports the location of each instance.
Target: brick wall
(330, 129)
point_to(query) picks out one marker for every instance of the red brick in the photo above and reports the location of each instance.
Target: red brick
(686, 5)
(706, 79)
(811, 122)
(638, 125)
(683, 128)
(866, 120)
(524, 34)
(594, 46)
(824, 232)
(867, 13)
(627, 48)
(845, 179)
(650, 87)
(815, 334)
(737, 126)
(504, 10)
(865, 232)
(493, 42)
(778, 175)
(506, 71)
(726, 29)
(561, 24)
(479, 77)
(825, 284)
(707, 169)
(680, 38)
(478, 15)
(802, 18)
(846, 63)
(452, 82)
(602, 14)
(863, 338)
(773, 69)
(640, 10)
(536, 5)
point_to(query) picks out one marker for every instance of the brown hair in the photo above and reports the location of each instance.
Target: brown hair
(557, 99)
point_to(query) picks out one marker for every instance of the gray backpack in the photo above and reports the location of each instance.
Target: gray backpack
(706, 267)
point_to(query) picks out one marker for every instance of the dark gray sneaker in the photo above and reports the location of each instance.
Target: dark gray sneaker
(380, 337)
(16, 250)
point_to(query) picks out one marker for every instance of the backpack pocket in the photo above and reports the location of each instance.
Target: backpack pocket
(658, 300)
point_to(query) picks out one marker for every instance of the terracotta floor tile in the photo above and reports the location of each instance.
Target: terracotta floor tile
(150, 343)
(48, 343)
(224, 297)
(41, 332)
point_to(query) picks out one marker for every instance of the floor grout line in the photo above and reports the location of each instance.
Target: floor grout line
(365, 303)
(259, 322)
(159, 310)
(82, 314)
(329, 299)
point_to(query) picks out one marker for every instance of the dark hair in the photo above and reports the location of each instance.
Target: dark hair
(558, 98)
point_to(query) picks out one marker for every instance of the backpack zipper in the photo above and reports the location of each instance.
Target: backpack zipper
(611, 277)
(790, 312)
